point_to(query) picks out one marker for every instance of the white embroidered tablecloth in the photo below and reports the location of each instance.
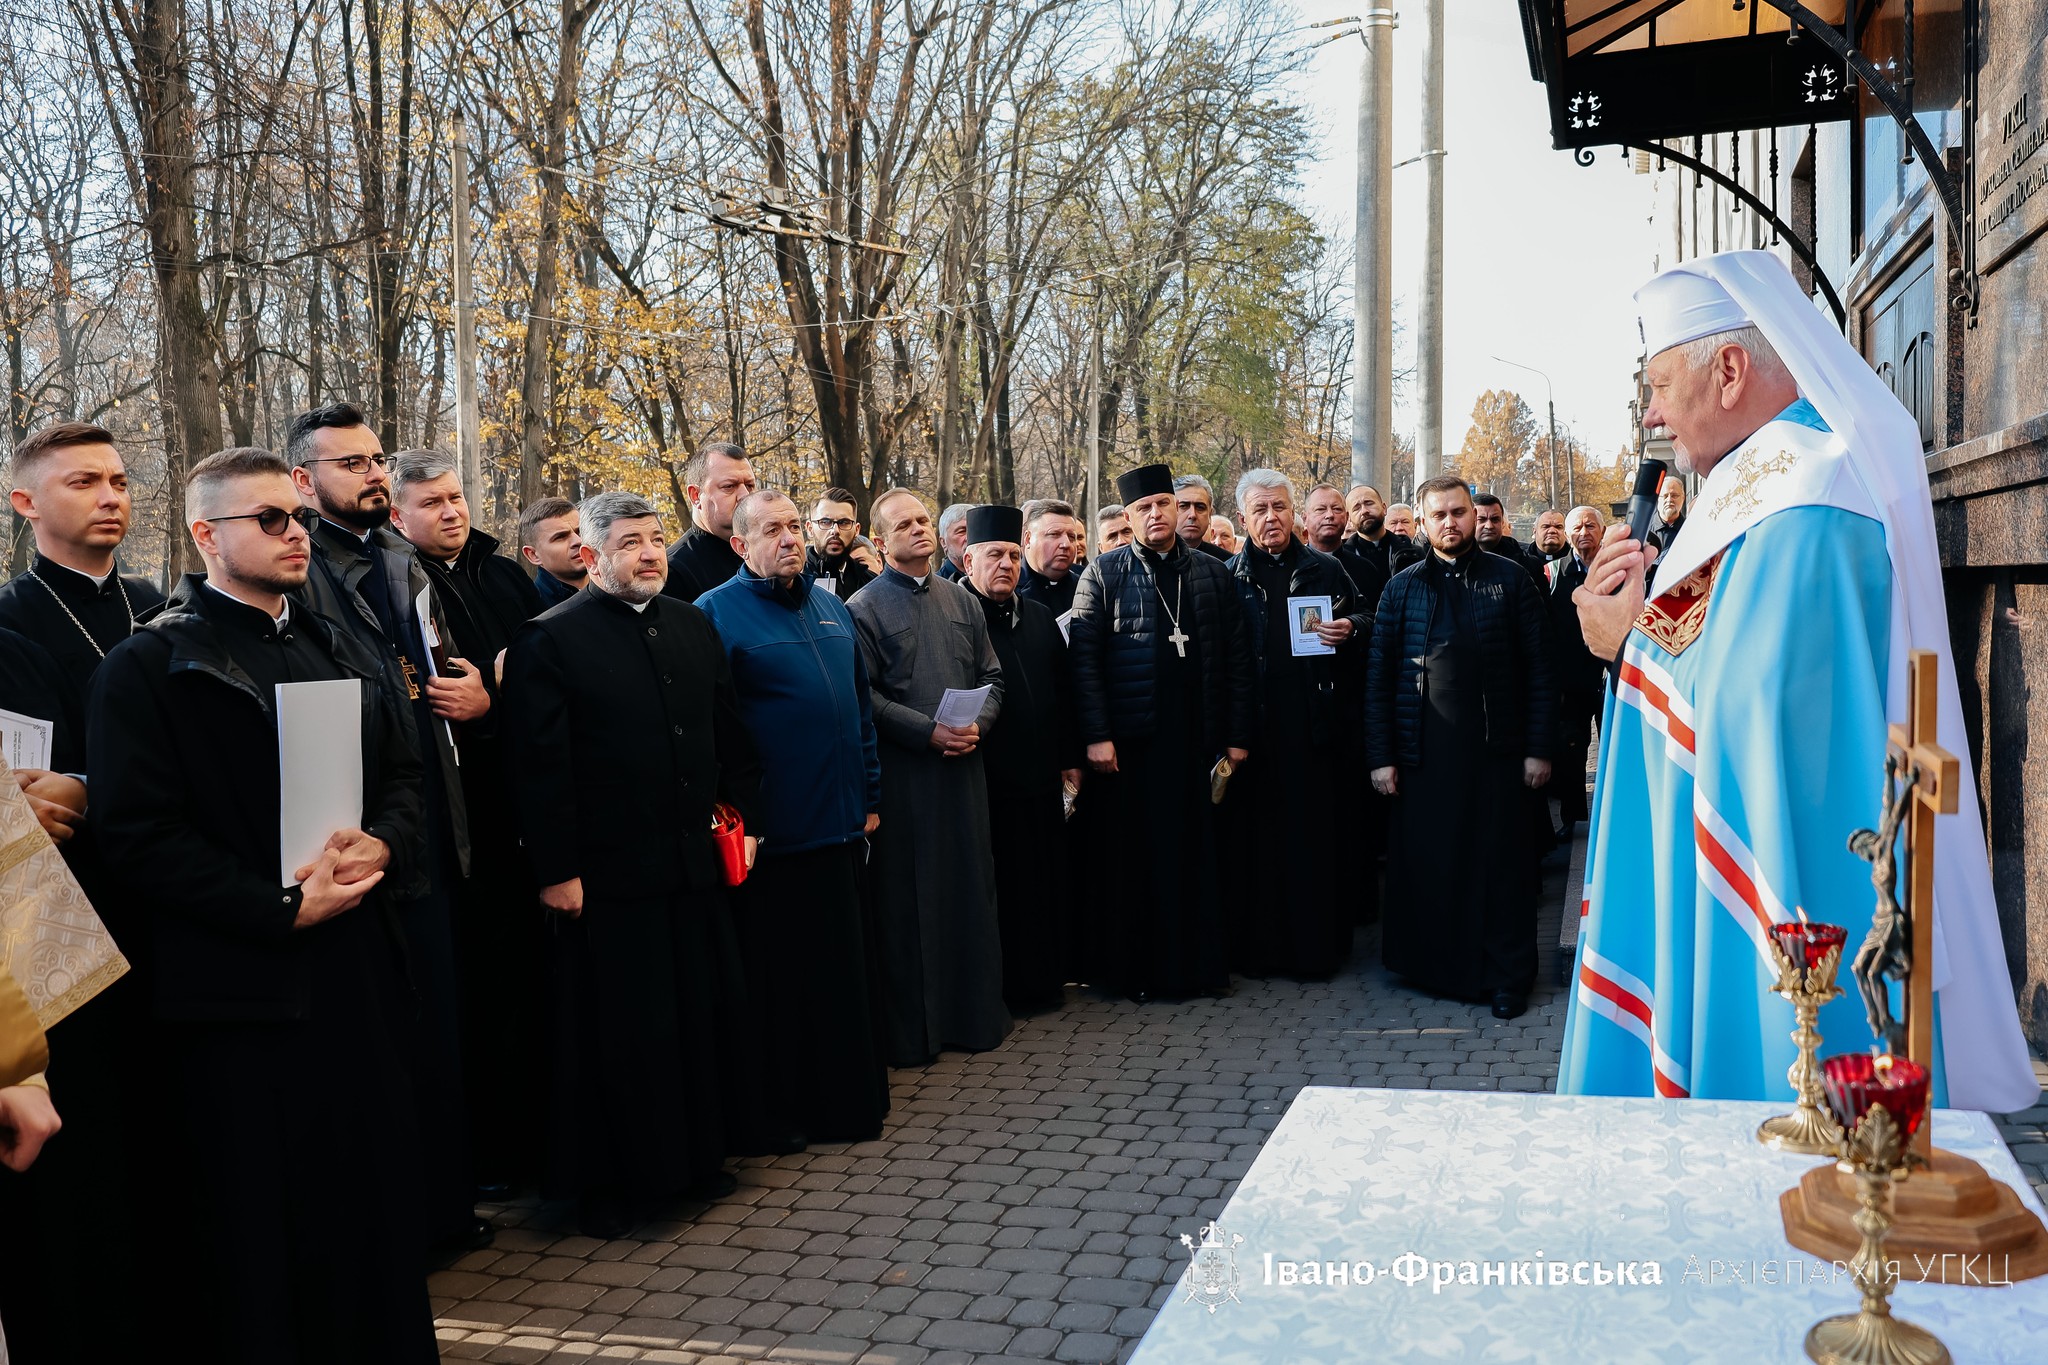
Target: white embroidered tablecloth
(1405, 1187)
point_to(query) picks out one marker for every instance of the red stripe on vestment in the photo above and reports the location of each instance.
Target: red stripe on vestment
(1657, 697)
(1732, 871)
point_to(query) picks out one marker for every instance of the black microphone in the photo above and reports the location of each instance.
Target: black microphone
(1642, 499)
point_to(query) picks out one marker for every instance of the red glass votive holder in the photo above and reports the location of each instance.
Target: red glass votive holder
(1857, 1083)
(1806, 944)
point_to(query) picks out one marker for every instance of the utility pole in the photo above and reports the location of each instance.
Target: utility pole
(466, 446)
(1372, 384)
(1429, 328)
(1550, 394)
(1094, 498)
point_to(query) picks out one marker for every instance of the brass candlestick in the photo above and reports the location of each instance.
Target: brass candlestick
(1873, 1336)
(1809, 1128)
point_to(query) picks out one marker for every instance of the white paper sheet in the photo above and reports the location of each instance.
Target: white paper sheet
(1066, 620)
(961, 706)
(320, 768)
(423, 612)
(828, 586)
(25, 740)
(1302, 615)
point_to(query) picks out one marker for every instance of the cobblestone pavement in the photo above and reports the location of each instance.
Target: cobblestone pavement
(1024, 1203)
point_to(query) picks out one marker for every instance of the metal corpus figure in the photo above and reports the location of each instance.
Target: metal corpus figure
(1887, 951)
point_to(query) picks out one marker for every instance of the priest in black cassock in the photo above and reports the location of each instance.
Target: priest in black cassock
(1052, 544)
(921, 636)
(1459, 709)
(1293, 802)
(283, 1122)
(1028, 759)
(72, 606)
(621, 698)
(484, 599)
(1164, 686)
(714, 480)
(807, 944)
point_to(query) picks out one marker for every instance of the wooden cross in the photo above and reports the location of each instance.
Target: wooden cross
(1935, 777)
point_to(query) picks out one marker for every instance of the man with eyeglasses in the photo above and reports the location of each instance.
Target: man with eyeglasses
(368, 580)
(835, 527)
(714, 481)
(281, 1118)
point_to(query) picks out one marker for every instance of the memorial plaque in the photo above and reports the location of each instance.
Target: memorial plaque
(2012, 163)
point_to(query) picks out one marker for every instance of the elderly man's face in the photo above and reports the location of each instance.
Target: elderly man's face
(993, 566)
(1583, 531)
(1550, 541)
(1115, 532)
(1401, 520)
(1269, 518)
(1670, 499)
(773, 545)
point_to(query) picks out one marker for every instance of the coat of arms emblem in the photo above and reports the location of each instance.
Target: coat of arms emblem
(1211, 1276)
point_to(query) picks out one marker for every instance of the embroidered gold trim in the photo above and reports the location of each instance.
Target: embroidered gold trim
(1676, 618)
(1742, 494)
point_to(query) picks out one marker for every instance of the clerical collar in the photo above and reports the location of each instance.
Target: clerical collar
(282, 619)
(49, 568)
(916, 582)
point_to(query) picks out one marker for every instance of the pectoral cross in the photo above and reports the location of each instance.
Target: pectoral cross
(1935, 776)
(1179, 640)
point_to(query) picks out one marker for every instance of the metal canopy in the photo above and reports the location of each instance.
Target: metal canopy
(1626, 71)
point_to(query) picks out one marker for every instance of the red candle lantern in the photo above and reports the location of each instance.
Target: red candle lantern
(1858, 1083)
(1806, 944)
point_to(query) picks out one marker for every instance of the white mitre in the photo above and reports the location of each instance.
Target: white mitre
(1681, 305)
(1983, 1051)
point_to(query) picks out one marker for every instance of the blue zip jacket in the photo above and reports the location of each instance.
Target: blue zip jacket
(804, 696)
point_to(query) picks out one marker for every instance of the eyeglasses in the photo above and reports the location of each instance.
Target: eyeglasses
(832, 523)
(354, 464)
(272, 520)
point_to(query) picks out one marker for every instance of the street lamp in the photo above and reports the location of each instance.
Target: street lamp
(1551, 396)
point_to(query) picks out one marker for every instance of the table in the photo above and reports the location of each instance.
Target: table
(1368, 1177)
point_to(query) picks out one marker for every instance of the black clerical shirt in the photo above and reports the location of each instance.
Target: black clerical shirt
(76, 620)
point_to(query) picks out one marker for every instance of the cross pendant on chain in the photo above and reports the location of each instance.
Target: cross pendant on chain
(1179, 640)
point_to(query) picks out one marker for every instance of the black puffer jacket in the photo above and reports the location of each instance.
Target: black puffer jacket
(1332, 681)
(1519, 692)
(1110, 645)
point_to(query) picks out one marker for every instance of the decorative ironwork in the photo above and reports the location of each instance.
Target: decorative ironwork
(1585, 107)
(1585, 156)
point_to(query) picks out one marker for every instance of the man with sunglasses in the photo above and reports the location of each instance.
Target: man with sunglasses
(276, 1024)
(368, 580)
(835, 529)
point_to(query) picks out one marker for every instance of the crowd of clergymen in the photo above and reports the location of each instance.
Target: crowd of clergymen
(524, 965)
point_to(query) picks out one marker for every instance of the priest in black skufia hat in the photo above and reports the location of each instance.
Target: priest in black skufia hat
(1027, 760)
(1164, 682)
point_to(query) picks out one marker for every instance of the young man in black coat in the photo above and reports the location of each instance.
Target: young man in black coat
(550, 541)
(1164, 686)
(1459, 708)
(289, 1156)
(624, 734)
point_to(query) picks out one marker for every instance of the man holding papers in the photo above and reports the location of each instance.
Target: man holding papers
(276, 1008)
(920, 637)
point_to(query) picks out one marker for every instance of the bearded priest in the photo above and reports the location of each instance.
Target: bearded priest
(1745, 736)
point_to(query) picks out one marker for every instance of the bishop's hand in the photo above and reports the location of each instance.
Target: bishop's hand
(1611, 598)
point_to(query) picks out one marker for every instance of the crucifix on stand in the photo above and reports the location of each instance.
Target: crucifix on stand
(1932, 777)
(1949, 1208)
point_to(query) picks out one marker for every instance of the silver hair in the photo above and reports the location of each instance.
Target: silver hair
(1109, 513)
(1181, 481)
(1598, 520)
(952, 516)
(598, 511)
(409, 467)
(1700, 353)
(756, 501)
(1265, 478)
